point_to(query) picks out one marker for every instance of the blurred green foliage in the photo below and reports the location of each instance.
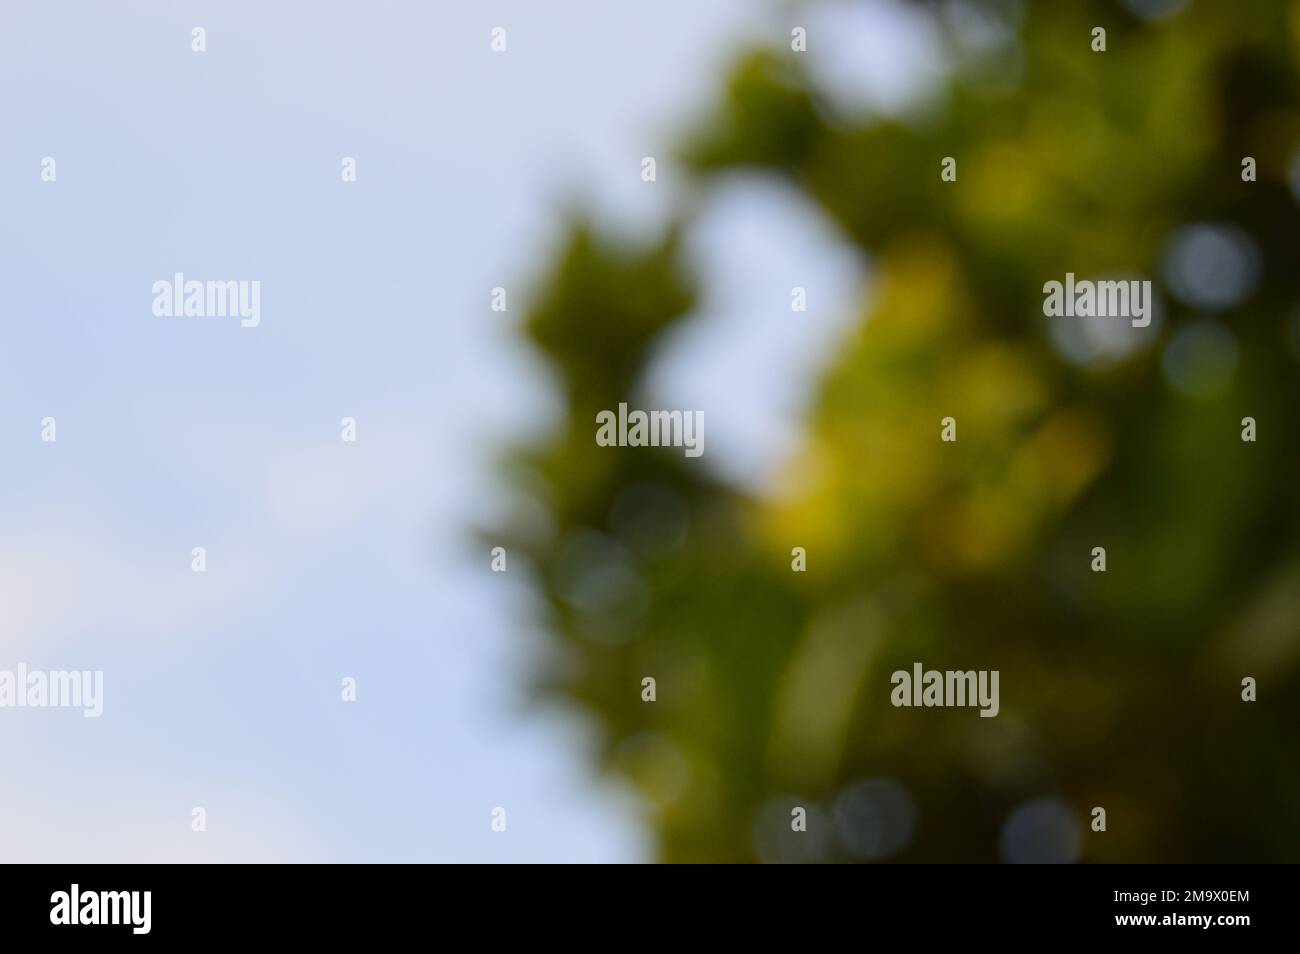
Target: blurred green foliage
(1119, 689)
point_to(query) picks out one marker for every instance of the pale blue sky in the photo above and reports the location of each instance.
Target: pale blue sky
(327, 559)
